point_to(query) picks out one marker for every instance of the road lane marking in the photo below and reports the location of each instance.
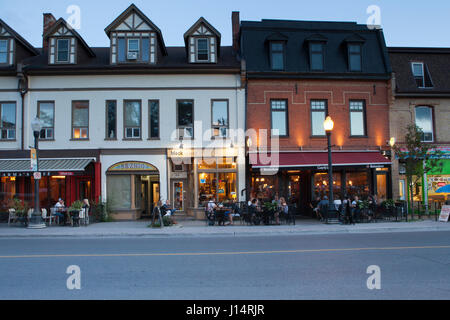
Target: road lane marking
(214, 253)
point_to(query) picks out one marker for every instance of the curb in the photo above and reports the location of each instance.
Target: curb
(228, 233)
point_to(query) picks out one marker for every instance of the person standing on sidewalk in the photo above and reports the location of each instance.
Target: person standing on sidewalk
(157, 214)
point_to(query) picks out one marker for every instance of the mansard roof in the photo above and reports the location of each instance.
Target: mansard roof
(436, 61)
(133, 19)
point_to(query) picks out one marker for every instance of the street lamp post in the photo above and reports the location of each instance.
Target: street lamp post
(36, 217)
(328, 124)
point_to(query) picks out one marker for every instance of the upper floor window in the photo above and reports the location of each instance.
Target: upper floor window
(185, 118)
(111, 119)
(202, 49)
(357, 118)
(4, 51)
(46, 112)
(316, 56)
(80, 120)
(7, 120)
(279, 118)
(354, 57)
(424, 120)
(132, 119)
(421, 75)
(318, 113)
(277, 55)
(133, 49)
(219, 122)
(153, 111)
(62, 50)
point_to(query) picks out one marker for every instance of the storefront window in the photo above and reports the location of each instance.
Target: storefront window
(217, 181)
(7, 190)
(357, 184)
(226, 187)
(57, 189)
(119, 191)
(263, 187)
(321, 187)
(207, 187)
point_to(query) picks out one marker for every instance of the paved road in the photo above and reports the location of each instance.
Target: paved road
(413, 266)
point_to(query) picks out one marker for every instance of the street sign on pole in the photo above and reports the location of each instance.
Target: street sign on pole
(37, 175)
(34, 164)
(445, 212)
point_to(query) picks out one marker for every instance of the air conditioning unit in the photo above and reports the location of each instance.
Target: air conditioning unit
(132, 56)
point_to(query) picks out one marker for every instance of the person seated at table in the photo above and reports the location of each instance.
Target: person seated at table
(59, 209)
(167, 211)
(278, 202)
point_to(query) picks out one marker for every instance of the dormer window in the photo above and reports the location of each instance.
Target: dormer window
(316, 56)
(202, 49)
(277, 55)
(3, 51)
(421, 75)
(354, 57)
(202, 43)
(62, 50)
(133, 49)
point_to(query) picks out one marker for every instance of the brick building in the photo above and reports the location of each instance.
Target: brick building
(421, 88)
(297, 73)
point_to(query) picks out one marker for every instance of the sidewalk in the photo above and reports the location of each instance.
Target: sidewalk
(199, 228)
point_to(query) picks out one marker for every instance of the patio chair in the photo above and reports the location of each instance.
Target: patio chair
(12, 216)
(47, 217)
(85, 216)
(53, 215)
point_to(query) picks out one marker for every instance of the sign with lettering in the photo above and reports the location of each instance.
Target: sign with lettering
(37, 175)
(445, 212)
(33, 156)
(132, 166)
(178, 175)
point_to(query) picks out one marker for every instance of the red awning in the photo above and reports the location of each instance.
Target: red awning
(317, 159)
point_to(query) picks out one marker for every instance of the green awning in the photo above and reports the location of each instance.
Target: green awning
(60, 164)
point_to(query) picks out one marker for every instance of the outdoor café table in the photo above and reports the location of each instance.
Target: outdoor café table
(64, 211)
(220, 215)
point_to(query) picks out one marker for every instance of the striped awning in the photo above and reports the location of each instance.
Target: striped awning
(58, 164)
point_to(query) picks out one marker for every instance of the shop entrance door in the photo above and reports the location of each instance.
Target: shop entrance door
(178, 195)
(381, 186)
(84, 188)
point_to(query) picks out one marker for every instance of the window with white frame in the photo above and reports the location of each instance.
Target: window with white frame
(4, 51)
(202, 49)
(62, 50)
(46, 111)
(357, 118)
(133, 49)
(80, 120)
(421, 75)
(318, 113)
(278, 109)
(7, 121)
(185, 118)
(424, 120)
(219, 122)
(132, 119)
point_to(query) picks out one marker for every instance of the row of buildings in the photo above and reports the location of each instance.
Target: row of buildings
(140, 121)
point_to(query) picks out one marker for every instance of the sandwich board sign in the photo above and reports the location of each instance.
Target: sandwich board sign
(445, 212)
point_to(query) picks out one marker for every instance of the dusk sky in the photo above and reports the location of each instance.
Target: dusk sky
(405, 22)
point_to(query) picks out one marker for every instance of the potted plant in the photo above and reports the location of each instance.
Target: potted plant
(75, 208)
(21, 208)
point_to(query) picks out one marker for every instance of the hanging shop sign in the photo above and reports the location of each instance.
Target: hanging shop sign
(33, 158)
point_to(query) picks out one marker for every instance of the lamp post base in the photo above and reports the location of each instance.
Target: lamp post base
(332, 216)
(36, 222)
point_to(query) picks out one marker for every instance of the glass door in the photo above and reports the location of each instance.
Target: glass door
(381, 186)
(178, 199)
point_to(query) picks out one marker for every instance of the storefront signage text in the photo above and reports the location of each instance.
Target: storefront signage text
(132, 166)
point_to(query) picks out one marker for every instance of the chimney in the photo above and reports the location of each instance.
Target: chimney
(235, 23)
(49, 21)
